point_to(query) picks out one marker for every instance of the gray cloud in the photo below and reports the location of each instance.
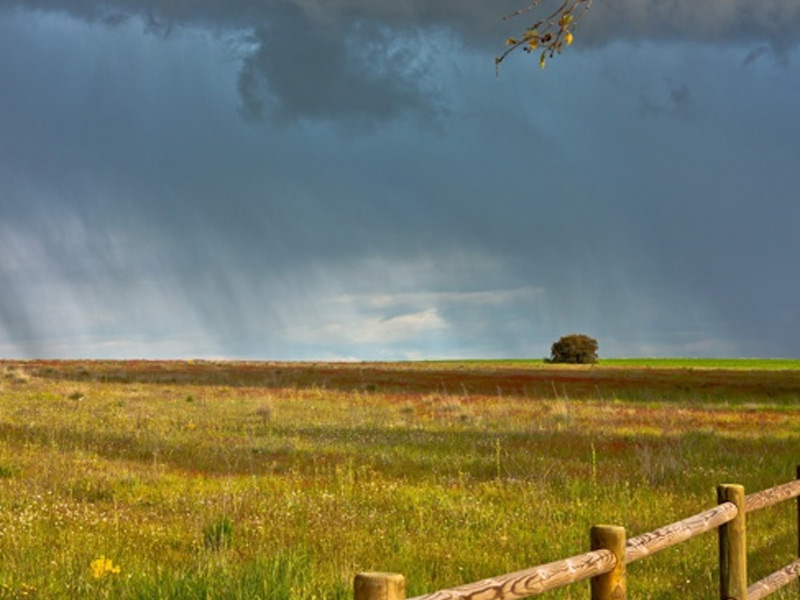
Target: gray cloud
(730, 21)
(778, 50)
(16, 321)
(359, 71)
(140, 214)
(678, 103)
(333, 60)
(734, 22)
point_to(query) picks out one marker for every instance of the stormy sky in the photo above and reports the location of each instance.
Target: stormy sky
(349, 179)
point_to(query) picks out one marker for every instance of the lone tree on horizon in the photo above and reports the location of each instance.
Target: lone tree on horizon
(548, 34)
(575, 349)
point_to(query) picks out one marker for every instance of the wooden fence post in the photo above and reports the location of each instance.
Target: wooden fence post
(732, 547)
(379, 586)
(798, 516)
(612, 585)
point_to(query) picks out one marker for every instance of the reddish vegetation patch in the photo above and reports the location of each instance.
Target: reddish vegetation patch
(586, 382)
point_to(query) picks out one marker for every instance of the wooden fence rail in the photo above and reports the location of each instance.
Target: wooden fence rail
(605, 564)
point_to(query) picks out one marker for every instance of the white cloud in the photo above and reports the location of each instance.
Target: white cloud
(373, 330)
(479, 298)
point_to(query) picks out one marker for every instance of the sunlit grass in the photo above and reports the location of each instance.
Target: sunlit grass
(198, 488)
(772, 364)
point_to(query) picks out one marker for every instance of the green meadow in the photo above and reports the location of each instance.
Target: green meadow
(768, 364)
(245, 480)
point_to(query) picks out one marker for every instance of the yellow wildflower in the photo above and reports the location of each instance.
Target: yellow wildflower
(103, 566)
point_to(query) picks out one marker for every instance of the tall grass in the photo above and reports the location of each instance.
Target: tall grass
(196, 488)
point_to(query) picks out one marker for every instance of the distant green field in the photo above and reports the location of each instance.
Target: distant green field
(706, 363)
(767, 364)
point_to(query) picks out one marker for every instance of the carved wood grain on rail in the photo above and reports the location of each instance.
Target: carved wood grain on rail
(774, 582)
(654, 541)
(530, 582)
(773, 495)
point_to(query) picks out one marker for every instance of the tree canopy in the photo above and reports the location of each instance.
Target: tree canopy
(575, 348)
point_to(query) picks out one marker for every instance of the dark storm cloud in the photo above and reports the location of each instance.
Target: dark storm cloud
(729, 21)
(710, 21)
(135, 204)
(311, 59)
(356, 71)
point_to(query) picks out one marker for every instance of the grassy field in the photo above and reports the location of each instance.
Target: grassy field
(281, 481)
(768, 364)
(761, 364)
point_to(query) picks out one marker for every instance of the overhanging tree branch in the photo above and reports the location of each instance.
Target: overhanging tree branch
(549, 34)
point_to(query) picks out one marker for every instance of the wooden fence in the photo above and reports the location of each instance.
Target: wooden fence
(611, 552)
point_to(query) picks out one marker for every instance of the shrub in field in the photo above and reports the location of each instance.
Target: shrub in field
(574, 348)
